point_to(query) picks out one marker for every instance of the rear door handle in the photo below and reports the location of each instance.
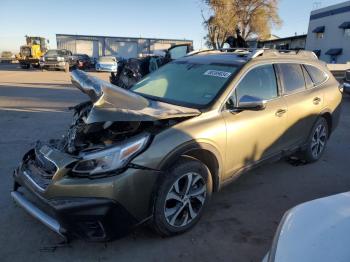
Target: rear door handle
(280, 112)
(316, 100)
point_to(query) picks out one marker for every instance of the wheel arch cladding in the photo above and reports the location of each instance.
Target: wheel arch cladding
(208, 159)
(203, 152)
(328, 117)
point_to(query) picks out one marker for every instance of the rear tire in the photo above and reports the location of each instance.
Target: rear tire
(182, 196)
(317, 141)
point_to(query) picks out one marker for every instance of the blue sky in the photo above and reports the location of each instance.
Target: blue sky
(152, 18)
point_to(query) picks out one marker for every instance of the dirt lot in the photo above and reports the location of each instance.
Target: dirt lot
(238, 225)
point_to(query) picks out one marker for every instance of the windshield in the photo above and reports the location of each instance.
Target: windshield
(54, 53)
(107, 59)
(186, 83)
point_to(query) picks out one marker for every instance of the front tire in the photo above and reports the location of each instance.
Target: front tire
(316, 142)
(183, 194)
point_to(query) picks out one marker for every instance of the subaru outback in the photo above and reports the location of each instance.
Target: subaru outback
(157, 152)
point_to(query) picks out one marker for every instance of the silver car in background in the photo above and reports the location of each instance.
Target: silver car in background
(106, 64)
(317, 230)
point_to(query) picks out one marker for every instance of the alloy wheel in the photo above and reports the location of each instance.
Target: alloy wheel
(185, 199)
(319, 140)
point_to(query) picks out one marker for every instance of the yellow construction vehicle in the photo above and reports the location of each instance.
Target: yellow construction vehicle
(29, 54)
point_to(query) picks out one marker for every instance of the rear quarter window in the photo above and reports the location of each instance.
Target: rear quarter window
(317, 75)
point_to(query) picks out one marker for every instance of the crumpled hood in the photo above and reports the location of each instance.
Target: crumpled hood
(112, 103)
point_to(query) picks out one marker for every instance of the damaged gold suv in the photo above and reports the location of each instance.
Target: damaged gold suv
(156, 153)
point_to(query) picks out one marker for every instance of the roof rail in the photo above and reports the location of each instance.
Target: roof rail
(196, 52)
(244, 52)
(251, 53)
(278, 52)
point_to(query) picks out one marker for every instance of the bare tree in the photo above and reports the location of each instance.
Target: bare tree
(251, 17)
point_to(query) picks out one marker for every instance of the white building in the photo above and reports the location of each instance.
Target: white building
(329, 33)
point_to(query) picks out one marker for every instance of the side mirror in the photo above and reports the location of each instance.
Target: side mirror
(251, 103)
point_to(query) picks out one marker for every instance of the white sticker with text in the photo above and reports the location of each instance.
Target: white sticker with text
(216, 73)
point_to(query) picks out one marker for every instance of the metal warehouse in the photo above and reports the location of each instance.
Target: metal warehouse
(125, 47)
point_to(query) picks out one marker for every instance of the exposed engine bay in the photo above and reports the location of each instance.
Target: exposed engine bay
(107, 132)
(114, 114)
(86, 137)
(114, 119)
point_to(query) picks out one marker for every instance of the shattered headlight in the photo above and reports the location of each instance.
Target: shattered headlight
(110, 159)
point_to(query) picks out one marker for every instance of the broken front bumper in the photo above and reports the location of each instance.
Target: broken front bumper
(95, 209)
(96, 219)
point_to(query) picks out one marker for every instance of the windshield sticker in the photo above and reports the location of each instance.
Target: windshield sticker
(216, 73)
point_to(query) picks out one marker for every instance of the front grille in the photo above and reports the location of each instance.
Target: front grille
(51, 59)
(38, 169)
(36, 175)
(347, 75)
(50, 62)
(43, 163)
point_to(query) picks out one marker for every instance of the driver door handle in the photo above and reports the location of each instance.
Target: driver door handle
(280, 112)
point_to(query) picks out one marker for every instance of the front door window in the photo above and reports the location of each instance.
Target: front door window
(259, 82)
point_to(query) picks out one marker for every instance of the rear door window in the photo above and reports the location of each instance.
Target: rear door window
(308, 81)
(259, 82)
(292, 78)
(317, 75)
